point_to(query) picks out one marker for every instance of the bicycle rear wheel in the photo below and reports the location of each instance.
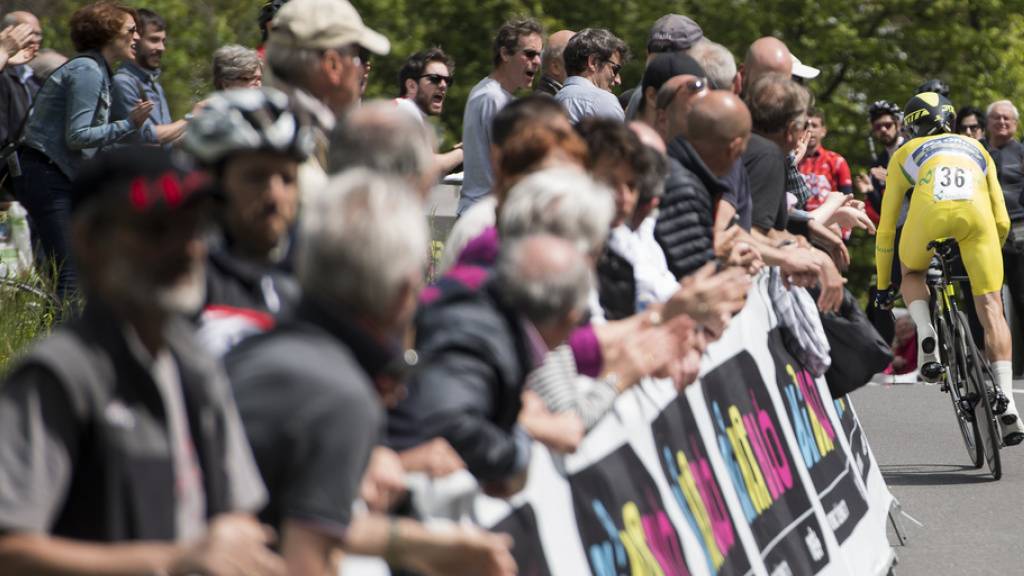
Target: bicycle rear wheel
(982, 384)
(956, 385)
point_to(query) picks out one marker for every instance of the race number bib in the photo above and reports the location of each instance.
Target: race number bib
(953, 183)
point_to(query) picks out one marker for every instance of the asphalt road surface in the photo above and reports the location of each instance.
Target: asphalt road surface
(970, 523)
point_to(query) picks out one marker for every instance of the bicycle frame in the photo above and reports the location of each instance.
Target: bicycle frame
(968, 378)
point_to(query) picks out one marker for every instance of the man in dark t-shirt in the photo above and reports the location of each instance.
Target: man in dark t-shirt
(766, 170)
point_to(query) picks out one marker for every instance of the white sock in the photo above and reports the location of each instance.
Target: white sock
(922, 318)
(1003, 370)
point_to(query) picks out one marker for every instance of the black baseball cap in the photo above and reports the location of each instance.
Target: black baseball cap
(148, 179)
(669, 64)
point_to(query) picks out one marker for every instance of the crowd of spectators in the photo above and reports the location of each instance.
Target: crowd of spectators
(256, 346)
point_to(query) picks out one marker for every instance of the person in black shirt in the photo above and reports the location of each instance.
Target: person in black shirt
(1008, 154)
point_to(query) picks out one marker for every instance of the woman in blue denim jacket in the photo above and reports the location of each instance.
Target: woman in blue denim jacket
(69, 123)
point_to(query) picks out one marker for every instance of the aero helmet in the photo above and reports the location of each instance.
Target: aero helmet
(928, 113)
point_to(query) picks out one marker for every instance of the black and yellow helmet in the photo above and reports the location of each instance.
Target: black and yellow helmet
(928, 113)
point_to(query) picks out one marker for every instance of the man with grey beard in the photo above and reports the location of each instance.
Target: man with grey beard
(118, 427)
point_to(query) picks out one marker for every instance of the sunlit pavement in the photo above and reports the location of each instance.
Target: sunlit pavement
(970, 524)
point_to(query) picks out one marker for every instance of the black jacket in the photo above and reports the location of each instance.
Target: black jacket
(474, 358)
(685, 225)
(616, 285)
(123, 485)
(14, 101)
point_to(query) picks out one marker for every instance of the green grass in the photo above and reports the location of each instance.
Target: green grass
(27, 313)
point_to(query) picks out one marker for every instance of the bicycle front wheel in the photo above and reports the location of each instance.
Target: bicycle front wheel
(983, 386)
(956, 385)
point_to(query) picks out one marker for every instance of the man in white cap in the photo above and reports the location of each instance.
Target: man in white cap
(318, 49)
(769, 55)
(801, 71)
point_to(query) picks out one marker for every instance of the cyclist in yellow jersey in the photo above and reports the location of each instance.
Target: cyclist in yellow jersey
(956, 194)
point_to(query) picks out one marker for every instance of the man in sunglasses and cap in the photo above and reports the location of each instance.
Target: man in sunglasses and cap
(118, 428)
(317, 51)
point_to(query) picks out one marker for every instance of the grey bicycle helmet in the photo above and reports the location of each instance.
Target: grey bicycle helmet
(248, 120)
(881, 108)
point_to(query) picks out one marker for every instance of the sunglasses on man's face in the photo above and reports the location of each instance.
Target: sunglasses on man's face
(616, 68)
(436, 79)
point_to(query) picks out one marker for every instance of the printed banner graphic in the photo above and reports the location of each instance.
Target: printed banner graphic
(622, 520)
(761, 467)
(684, 462)
(834, 481)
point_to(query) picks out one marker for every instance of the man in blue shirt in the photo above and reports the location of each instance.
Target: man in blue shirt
(139, 81)
(593, 59)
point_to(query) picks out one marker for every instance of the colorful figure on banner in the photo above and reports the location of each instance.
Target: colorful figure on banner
(647, 545)
(760, 464)
(832, 475)
(696, 490)
(754, 454)
(623, 525)
(698, 496)
(814, 431)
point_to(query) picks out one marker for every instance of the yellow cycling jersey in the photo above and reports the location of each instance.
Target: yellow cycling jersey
(956, 194)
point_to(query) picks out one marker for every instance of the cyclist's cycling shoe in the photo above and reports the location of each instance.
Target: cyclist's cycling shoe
(930, 368)
(1013, 429)
(932, 372)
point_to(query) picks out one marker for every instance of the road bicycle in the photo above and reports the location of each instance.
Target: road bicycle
(967, 374)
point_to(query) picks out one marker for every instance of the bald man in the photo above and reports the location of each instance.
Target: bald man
(672, 104)
(685, 225)
(649, 136)
(18, 84)
(552, 64)
(718, 128)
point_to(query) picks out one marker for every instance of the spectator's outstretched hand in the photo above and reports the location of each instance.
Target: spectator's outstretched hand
(710, 297)
(561, 432)
(850, 217)
(466, 551)
(383, 481)
(435, 458)
(863, 184)
(832, 282)
(234, 545)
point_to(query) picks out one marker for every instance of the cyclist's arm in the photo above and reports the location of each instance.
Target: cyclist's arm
(995, 194)
(896, 185)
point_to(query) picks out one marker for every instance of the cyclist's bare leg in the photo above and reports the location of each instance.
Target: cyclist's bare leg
(915, 295)
(998, 348)
(997, 333)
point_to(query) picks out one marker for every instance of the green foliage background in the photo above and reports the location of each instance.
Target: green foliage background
(866, 50)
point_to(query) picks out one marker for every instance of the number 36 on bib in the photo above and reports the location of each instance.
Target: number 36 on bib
(953, 183)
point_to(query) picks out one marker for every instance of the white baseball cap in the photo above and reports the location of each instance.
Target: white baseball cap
(802, 70)
(323, 24)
